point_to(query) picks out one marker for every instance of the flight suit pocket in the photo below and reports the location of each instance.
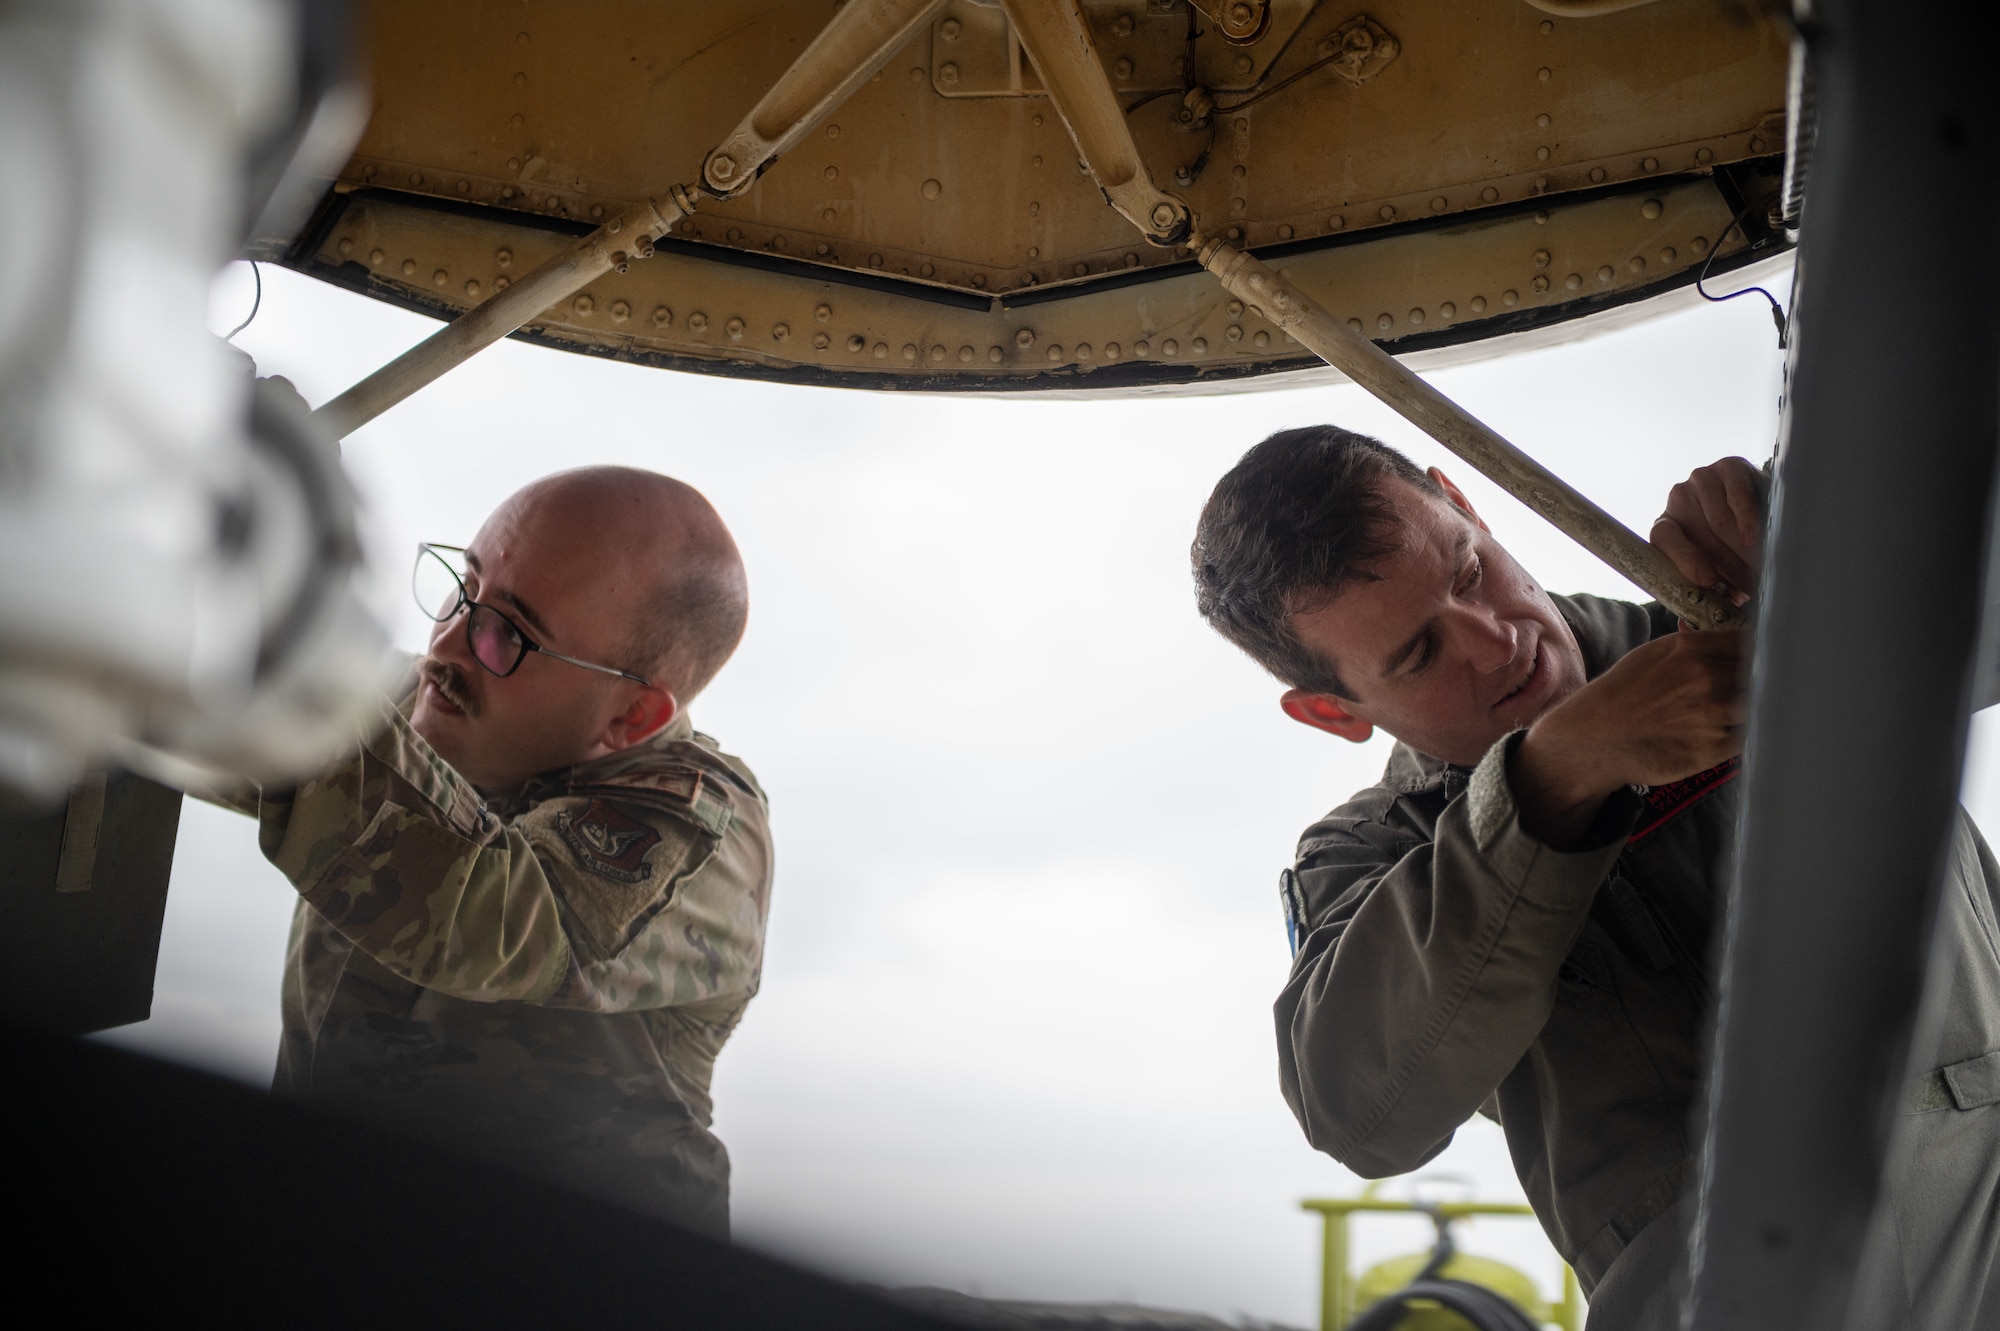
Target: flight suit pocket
(1593, 1027)
(1974, 1082)
(379, 880)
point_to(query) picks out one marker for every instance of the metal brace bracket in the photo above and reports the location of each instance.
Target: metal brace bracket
(853, 45)
(1059, 40)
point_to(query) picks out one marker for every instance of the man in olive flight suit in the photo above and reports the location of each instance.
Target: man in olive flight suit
(1518, 919)
(532, 903)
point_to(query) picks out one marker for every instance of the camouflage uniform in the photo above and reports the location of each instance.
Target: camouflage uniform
(543, 977)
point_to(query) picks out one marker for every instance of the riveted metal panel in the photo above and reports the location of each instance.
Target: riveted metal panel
(1433, 128)
(707, 308)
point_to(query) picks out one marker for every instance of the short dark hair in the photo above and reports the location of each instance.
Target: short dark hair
(692, 601)
(694, 622)
(1297, 519)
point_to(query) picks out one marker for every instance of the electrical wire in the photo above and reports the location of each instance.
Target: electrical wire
(1258, 96)
(1777, 310)
(1257, 92)
(256, 304)
(1151, 97)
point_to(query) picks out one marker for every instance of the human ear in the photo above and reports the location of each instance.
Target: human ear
(650, 712)
(1456, 497)
(1322, 711)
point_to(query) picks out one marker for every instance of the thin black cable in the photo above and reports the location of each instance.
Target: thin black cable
(255, 305)
(1441, 1254)
(1151, 97)
(1187, 56)
(1777, 310)
(1256, 93)
(1259, 95)
(1187, 69)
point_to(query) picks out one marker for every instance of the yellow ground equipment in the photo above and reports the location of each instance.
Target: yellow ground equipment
(1343, 1295)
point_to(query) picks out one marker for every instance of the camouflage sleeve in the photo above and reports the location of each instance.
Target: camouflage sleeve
(604, 900)
(240, 794)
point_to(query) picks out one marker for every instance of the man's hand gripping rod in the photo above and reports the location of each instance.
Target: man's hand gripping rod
(1056, 38)
(861, 36)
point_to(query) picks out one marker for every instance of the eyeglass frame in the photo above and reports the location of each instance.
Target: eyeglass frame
(466, 603)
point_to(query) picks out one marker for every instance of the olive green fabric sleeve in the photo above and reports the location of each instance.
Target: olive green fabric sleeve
(610, 897)
(1433, 970)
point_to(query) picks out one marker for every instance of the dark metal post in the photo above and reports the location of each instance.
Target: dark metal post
(83, 895)
(1858, 721)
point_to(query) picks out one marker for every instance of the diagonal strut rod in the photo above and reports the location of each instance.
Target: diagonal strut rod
(860, 37)
(1058, 40)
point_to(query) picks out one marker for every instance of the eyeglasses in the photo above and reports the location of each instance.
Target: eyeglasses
(496, 641)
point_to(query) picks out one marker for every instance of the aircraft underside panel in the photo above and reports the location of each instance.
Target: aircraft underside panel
(1441, 174)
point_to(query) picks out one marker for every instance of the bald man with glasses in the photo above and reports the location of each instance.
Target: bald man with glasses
(533, 901)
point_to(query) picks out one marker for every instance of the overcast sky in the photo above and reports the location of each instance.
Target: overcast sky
(1015, 1032)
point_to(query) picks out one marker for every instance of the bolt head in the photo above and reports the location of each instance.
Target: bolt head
(1163, 216)
(722, 166)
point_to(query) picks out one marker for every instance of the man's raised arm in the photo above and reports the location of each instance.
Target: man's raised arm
(1431, 965)
(1434, 968)
(599, 900)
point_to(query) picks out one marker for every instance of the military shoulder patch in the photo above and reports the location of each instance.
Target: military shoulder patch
(609, 841)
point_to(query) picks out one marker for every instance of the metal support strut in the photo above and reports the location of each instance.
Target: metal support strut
(1058, 41)
(844, 55)
(632, 233)
(855, 43)
(1056, 37)
(1253, 283)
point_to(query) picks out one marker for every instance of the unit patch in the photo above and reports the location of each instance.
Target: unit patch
(609, 841)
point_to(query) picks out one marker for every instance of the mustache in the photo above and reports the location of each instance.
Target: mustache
(449, 680)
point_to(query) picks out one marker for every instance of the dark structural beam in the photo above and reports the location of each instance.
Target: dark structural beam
(186, 1191)
(83, 894)
(1865, 658)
